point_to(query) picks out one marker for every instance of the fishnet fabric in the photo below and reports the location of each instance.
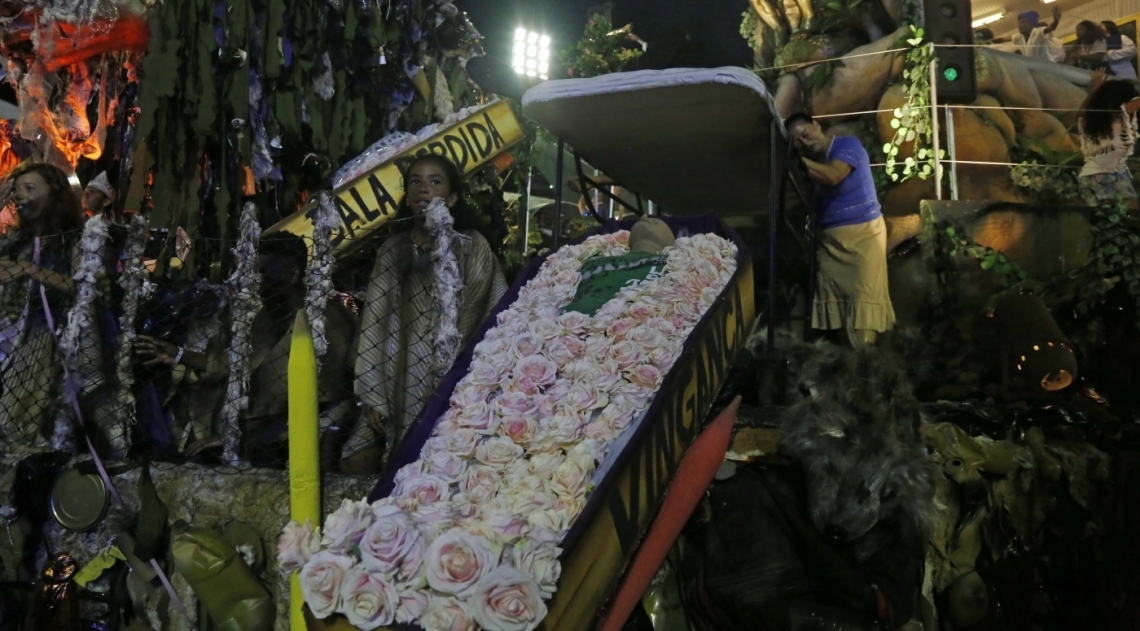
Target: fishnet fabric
(173, 412)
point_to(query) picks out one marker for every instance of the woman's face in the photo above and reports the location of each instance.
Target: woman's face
(94, 200)
(427, 181)
(1082, 32)
(30, 194)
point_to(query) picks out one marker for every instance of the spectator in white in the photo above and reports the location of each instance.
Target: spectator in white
(1089, 53)
(1121, 53)
(1036, 40)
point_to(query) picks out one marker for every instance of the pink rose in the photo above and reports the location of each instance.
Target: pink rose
(513, 404)
(599, 429)
(434, 519)
(457, 560)
(546, 405)
(498, 453)
(640, 311)
(537, 557)
(662, 326)
(422, 490)
(574, 323)
(523, 385)
(446, 466)
(344, 528)
(578, 369)
(495, 345)
(525, 501)
(709, 295)
(392, 546)
(647, 337)
(598, 347)
(412, 606)
(584, 396)
(575, 345)
(537, 368)
(520, 429)
(506, 527)
(409, 471)
(478, 417)
(464, 507)
(480, 483)
(557, 352)
(527, 344)
(646, 375)
(321, 579)
(604, 376)
(508, 600)
(446, 614)
(296, 544)
(563, 428)
(559, 517)
(367, 601)
(626, 354)
(620, 328)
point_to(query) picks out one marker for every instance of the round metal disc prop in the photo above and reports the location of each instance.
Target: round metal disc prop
(79, 500)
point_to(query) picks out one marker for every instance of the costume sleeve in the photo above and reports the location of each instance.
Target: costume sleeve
(849, 150)
(1127, 50)
(483, 283)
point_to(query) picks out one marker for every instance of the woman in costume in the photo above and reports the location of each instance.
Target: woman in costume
(37, 261)
(1108, 133)
(430, 288)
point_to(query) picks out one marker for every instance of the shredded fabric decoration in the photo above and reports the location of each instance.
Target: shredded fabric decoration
(324, 85)
(245, 289)
(131, 281)
(80, 330)
(448, 285)
(441, 96)
(318, 272)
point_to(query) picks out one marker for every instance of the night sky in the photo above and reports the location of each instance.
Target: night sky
(681, 33)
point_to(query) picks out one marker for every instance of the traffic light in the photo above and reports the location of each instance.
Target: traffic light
(948, 25)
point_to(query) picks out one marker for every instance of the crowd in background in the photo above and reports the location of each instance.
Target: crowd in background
(1097, 45)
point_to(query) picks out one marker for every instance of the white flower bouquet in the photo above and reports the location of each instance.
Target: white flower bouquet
(469, 538)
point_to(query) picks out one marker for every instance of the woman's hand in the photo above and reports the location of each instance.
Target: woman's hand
(1099, 77)
(154, 352)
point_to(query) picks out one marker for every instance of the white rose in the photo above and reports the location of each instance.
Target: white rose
(434, 519)
(584, 396)
(626, 354)
(498, 453)
(564, 428)
(485, 373)
(422, 490)
(344, 528)
(542, 465)
(527, 344)
(571, 478)
(367, 601)
(520, 429)
(321, 578)
(574, 323)
(513, 404)
(558, 517)
(537, 368)
(546, 328)
(467, 394)
(461, 442)
(296, 544)
(508, 600)
(457, 560)
(446, 614)
(537, 556)
(412, 606)
(478, 417)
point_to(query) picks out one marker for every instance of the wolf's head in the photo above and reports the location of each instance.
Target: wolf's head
(855, 434)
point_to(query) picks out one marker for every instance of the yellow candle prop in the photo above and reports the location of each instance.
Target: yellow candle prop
(304, 463)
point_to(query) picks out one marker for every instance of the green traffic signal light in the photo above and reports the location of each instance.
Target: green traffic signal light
(950, 74)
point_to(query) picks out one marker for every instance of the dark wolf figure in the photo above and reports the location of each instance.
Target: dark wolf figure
(835, 539)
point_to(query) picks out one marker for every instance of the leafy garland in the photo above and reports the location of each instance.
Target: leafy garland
(602, 50)
(1113, 261)
(911, 121)
(748, 25)
(1049, 176)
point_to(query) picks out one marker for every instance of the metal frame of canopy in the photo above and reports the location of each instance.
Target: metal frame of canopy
(726, 95)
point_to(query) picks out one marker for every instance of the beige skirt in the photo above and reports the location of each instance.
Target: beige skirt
(851, 290)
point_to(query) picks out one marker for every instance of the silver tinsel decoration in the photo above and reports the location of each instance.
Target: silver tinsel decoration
(318, 272)
(245, 289)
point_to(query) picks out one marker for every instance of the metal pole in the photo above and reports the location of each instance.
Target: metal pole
(558, 195)
(951, 146)
(525, 223)
(934, 122)
(773, 210)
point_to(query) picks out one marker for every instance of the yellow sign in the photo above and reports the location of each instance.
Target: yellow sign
(371, 200)
(591, 572)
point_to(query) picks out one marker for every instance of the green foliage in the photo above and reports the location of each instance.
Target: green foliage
(1114, 261)
(601, 50)
(748, 28)
(822, 75)
(1011, 275)
(869, 137)
(839, 14)
(911, 121)
(1049, 176)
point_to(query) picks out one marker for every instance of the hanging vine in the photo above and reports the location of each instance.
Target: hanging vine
(911, 120)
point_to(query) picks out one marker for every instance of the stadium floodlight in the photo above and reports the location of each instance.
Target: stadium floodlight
(531, 53)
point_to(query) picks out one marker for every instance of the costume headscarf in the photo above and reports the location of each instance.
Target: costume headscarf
(1029, 16)
(103, 185)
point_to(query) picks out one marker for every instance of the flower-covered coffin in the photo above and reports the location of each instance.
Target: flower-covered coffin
(522, 491)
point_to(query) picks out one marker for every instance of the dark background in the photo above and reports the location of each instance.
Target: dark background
(680, 33)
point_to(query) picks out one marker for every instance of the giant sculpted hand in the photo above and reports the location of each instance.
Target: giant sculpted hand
(784, 16)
